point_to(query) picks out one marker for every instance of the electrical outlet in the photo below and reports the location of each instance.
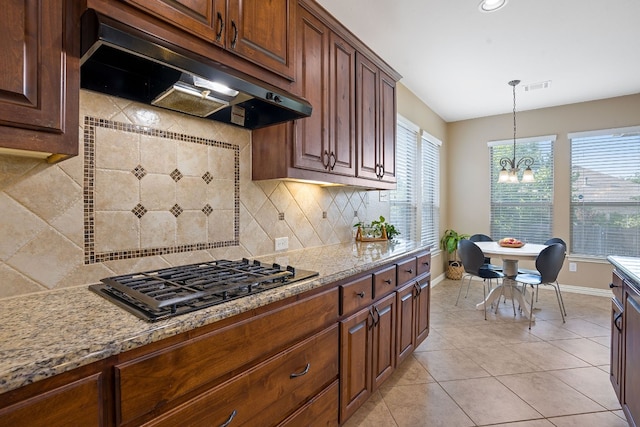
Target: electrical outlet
(573, 266)
(282, 243)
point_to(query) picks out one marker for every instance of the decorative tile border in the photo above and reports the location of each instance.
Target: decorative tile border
(91, 254)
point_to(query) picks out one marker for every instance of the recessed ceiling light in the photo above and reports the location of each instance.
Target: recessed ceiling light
(491, 5)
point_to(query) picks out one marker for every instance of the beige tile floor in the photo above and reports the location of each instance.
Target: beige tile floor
(472, 372)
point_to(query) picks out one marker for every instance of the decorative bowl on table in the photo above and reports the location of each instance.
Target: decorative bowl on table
(510, 242)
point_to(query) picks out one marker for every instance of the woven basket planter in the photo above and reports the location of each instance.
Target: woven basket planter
(454, 270)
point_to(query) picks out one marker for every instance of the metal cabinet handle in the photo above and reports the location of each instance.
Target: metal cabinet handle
(299, 374)
(325, 164)
(410, 271)
(615, 321)
(388, 281)
(378, 313)
(612, 285)
(373, 318)
(332, 164)
(417, 287)
(234, 40)
(231, 417)
(220, 27)
(361, 294)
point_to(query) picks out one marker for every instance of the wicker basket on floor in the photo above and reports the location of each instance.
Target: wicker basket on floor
(454, 270)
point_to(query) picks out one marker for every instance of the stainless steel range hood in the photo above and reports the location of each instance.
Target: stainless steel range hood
(123, 61)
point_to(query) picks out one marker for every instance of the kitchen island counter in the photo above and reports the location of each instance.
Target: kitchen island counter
(48, 333)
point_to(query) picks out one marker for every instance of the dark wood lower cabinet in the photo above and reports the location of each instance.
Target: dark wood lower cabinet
(625, 344)
(310, 360)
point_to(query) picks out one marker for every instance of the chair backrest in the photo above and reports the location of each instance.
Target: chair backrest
(480, 238)
(556, 240)
(471, 256)
(549, 262)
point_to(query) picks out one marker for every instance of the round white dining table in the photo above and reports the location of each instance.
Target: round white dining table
(510, 258)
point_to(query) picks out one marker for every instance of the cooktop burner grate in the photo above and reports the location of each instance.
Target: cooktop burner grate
(167, 292)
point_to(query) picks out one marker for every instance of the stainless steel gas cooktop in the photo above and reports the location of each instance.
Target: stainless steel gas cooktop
(160, 294)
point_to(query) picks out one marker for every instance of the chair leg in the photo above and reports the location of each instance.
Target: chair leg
(557, 289)
(561, 300)
(484, 298)
(531, 314)
(460, 290)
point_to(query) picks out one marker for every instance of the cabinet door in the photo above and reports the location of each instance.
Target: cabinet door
(77, 403)
(204, 18)
(387, 144)
(262, 32)
(367, 129)
(39, 84)
(406, 323)
(384, 340)
(342, 110)
(631, 381)
(615, 373)
(311, 150)
(355, 361)
(422, 311)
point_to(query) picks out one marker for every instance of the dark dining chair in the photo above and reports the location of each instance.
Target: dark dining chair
(529, 271)
(487, 260)
(548, 265)
(473, 263)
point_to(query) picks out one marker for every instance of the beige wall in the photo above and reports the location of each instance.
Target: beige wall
(467, 171)
(415, 110)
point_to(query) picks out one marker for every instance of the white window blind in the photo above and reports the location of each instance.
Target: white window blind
(523, 210)
(430, 168)
(403, 207)
(605, 192)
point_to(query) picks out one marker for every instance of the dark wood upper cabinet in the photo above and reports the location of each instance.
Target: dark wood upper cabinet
(350, 136)
(376, 122)
(39, 83)
(259, 31)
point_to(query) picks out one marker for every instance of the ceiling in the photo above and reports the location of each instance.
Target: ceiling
(458, 60)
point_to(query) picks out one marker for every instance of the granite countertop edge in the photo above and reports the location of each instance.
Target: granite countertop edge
(43, 335)
(629, 266)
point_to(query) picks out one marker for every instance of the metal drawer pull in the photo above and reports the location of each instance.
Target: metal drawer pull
(388, 281)
(235, 34)
(360, 294)
(410, 271)
(221, 26)
(611, 285)
(615, 321)
(299, 374)
(231, 417)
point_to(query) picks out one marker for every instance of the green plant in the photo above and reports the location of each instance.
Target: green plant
(376, 225)
(449, 243)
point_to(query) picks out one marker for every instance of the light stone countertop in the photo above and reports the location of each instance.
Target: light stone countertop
(48, 333)
(629, 266)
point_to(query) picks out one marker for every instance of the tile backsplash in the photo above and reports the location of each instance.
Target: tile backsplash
(152, 188)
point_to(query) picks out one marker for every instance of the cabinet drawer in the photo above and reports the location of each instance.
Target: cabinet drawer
(151, 382)
(355, 295)
(424, 263)
(268, 392)
(322, 410)
(407, 270)
(384, 281)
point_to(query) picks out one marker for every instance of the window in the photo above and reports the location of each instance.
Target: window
(430, 181)
(415, 204)
(605, 192)
(523, 210)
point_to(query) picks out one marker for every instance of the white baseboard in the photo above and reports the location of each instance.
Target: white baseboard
(564, 288)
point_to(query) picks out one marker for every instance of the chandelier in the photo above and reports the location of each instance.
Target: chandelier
(511, 174)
